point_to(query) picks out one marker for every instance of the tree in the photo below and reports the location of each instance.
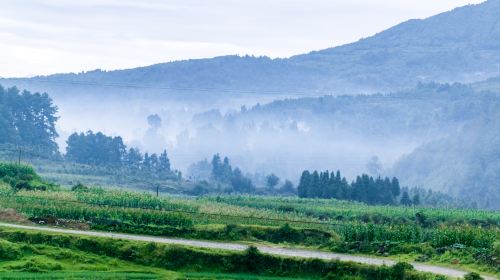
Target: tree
(134, 159)
(304, 184)
(216, 167)
(395, 188)
(226, 170)
(332, 185)
(272, 181)
(28, 119)
(96, 149)
(164, 163)
(201, 170)
(241, 183)
(405, 199)
(153, 159)
(416, 199)
(146, 164)
(288, 188)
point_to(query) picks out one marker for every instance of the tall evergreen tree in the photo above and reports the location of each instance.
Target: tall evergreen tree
(416, 199)
(134, 159)
(304, 185)
(405, 199)
(164, 163)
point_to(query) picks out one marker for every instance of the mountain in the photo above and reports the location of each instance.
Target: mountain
(460, 45)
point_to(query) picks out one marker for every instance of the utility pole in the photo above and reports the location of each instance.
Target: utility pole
(157, 189)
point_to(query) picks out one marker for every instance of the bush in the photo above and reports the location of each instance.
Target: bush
(9, 250)
(21, 172)
(35, 264)
(473, 276)
(79, 188)
(398, 270)
(23, 177)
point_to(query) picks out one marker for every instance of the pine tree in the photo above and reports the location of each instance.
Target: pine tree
(216, 168)
(405, 199)
(164, 163)
(146, 163)
(134, 159)
(227, 170)
(304, 184)
(416, 199)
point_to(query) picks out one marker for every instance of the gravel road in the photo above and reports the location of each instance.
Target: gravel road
(451, 272)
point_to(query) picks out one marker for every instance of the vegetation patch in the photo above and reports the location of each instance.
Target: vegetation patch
(187, 259)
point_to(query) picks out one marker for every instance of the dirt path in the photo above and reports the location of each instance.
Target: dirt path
(240, 247)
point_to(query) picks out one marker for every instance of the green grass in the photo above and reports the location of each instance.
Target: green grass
(215, 276)
(40, 261)
(29, 251)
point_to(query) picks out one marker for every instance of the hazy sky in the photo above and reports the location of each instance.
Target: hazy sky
(49, 36)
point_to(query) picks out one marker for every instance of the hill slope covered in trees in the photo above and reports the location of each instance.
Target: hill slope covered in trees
(460, 45)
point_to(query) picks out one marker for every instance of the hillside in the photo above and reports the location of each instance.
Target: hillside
(438, 136)
(465, 164)
(460, 45)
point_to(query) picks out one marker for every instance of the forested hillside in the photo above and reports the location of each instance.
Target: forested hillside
(449, 133)
(465, 164)
(460, 45)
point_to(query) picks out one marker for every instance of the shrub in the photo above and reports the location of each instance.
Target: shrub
(9, 250)
(79, 187)
(472, 276)
(35, 264)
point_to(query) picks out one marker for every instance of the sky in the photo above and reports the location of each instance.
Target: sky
(39, 37)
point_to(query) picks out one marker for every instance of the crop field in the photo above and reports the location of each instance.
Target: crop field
(467, 238)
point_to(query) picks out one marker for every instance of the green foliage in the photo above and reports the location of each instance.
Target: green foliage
(272, 180)
(222, 172)
(364, 189)
(23, 177)
(9, 250)
(438, 234)
(36, 265)
(28, 119)
(98, 149)
(184, 258)
(23, 172)
(79, 187)
(473, 276)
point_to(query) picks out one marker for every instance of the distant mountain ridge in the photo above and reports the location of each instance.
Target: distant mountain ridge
(461, 45)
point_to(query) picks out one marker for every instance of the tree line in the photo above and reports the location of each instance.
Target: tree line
(365, 188)
(28, 119)
(102, 150)
(223, 172)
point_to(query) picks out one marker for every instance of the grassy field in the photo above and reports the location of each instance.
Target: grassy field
(453, 237)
